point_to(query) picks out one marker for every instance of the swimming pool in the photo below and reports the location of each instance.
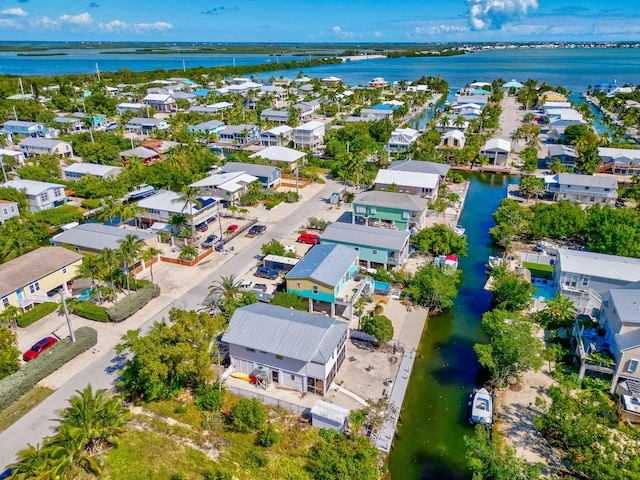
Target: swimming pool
(545, 292)
(381, 286)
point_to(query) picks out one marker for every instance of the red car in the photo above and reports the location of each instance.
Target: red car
(232, 228)
(39, 347)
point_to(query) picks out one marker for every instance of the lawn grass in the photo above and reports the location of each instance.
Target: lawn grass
(22, 406)
(171, 408)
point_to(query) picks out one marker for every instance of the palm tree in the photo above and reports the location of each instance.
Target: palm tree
(149, 254)
(191, 202)
(459, 121)
(32, 462)
(178, 222)
(93, 267)
(187, 252)
(444, 122)
(228, 287)
(130, 249)
(213, 303)
(112, 258)
(9, 316)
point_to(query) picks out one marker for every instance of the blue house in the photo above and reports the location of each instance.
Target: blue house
(28, 129)
(327, 274)
(209, 127)
(269, 176)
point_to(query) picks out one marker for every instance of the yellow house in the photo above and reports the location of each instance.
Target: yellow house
(551, 96)
(37, 276)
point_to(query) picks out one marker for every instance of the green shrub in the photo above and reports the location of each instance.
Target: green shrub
(130, 304)
(91, 203)
(267, 436)
(210, 398)
(16, 385)
(248, 415)
(36, 313)
(217, 475)
(59, 215)
(255, 460)
(90, 311)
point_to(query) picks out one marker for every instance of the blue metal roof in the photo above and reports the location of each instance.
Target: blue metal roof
(325, 264)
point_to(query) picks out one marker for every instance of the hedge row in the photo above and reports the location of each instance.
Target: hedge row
(90, 311)
(16, 385)
(36, 313)
(130, 304)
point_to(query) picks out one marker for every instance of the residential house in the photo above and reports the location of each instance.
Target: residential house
(451, 122)
(164, 204)
(135, 108)
(402, 139)
(497, 150)
(244, 134)
(159, 146)
(28, 129)
(162, 102)
(551, 96)
(285, 157)
(16, 156)
(395, 210)
(376, 113)
(208, 128)
(78, 170)
(452, 140)
(512, 86)
(584, 189)
(277, 136)
(278, 94)
(559, 120)
(566, 155)
(146, 125)
(309, 135)
(211, 109)
(584, 277)
(378, 82)
(189, 97)
(37, 276)
(276, 116)
(229, 186)
(306, 109)
(8, 209)
(414, 183)
(481, 100)
(69, 124)
(289, 348)
(143, 153)
(468, 110)
(326, 274)
(32, 146)
(554, 106)
(94, 237)
(619, 161)
(268, 175)
(376, 247)
(98, 121)
(441, 169)
(331, 81)
(41, 195)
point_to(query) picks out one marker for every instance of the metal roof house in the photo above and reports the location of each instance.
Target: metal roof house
(230, 185)
(16, 156)
(78, 170)
(94, 237)
(41, 195)
(268, 175)
(285, 347)
(566, 155)
(376, 247)
(395, 210)
(309, 135)
(42, 146)
(283, 156)
(8, 210)
(161, 102)
(163, 204)
(143, 153)
(28, 129)
(584, 277)
(36, 277)
(244, 134)
(620, 161)
(497, 149)
(414, 183)
(326, 274)
(584, 189)
(276, 136)
(422, 167)
(401, 139)
(146, 125)
(209, 127)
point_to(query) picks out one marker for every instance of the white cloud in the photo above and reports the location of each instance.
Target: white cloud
(10, 23)
(339, 32)
(435, 30)
(14, 12)
(378, 34)
(80, 19)
(44, 22)
(84, 21)
(493, 14)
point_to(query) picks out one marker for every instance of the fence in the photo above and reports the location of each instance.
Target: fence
(290, 181)
(292, 407)
(187, 263)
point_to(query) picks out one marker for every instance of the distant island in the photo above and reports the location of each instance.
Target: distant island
(59, 54)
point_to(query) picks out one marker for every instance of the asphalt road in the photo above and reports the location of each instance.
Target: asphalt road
(103, 372)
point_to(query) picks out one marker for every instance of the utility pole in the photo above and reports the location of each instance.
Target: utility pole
(3, 171)
(66, 314)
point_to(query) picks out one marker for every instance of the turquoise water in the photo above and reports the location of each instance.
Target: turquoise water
(383, 286)
(545, 291)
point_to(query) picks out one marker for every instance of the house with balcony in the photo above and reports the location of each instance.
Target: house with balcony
(94, 237)
(619, 161)
(497, 150)
(8, 209)
(69, 124)
(145, 126)
(212, 108)
(452, 140)
(373, 114)
(28, 129)
(280, 117)
(208, 128)
(422, 184)
(327, 275)
(376, 247)
(583, 189)
(284, 157)
(390, 209)
(584, 277)
(268, 175)
(566, 155)
(162, 102)
(309, 135)
(279, 136)
(440, 169)
(135, 108)
(164, 204)
(286, 348)
(228, 186)
(244, 134)
(32, 146)
(41, 195)
(402, 139)
(37, 277)
(76, 171)
(15, 155)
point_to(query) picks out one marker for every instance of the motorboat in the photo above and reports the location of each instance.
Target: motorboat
(495, 261)
(481, 407)
(459, 230)
(139, 192)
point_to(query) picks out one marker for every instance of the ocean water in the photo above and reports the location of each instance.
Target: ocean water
(573, 68)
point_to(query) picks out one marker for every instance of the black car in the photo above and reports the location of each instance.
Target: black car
(210, 241)
(265, 272)
(256, 230)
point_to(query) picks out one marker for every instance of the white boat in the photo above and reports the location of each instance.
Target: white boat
(140, 191)
(459, 230)
(494, 261)
(482, 407)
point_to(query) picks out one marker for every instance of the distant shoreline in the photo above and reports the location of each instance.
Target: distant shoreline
(41, 54)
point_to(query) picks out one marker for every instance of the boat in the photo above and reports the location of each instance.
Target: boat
(494, 261)
(459, 230)
(139, 192)
(244, 376)
(481, 407)
(448, 263)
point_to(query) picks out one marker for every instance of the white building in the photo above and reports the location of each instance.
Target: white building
(402, 139)
(41, 195)
(584, 189)
(43, 146)
(78, 170)
(309, 135)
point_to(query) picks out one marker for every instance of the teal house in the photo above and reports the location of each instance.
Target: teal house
(376, 247)
(327, 273)
(390, 209)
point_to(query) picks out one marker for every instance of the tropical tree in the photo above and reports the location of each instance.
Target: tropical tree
(178, 222)
(531, 186)
(9, 316)
(510, 292)
(9, 354)
(227, 286)
(112, 259)
(148, 254)
(558, 312)
(379, 326)
(213, 303)
(188, 253)
(130, 248)
(191, 203)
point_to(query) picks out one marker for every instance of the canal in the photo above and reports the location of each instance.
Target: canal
(429, 442)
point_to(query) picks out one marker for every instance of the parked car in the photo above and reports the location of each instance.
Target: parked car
(39, 347)
(256, 230)
(210, 241)
(264, 272)
(309, 238)
(225, 203)
(202, 227)
(232, 228)
(246, 284)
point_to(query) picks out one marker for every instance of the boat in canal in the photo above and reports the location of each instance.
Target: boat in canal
(481, 407)
(139, 192)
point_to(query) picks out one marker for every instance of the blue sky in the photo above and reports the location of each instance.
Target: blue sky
(350, 21)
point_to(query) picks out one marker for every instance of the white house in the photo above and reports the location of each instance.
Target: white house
(16, 156)
(146, 125)
(401, 139)
(229, 186)
(78, 170)
(164, 204)
(213, 108)
(43, 146)
(208, 128)
(161, 102)
(584, 189)
(281, 156)
(276, 136)
(309, 135)
(620, 161)
(131, 107)
(238, 134)
(41, 195)
(497, 149)
(414, 183)
(453, 140)
(8, 210)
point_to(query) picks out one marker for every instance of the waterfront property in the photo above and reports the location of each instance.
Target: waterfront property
(394, 210)
(32, 146)
(619, 161)
(326, 274)
(402, 139)
(584, 277)
(28, 129)
(440, 169)
(376, 247)
(78, 170)
(164, 204)
(286, 347)
(497, 150)
(309, 135)
(41, 195)
(37, 276)
(414, 183)
(566, 155)
(286, 158)
(229, 186)
(94, 237)
(277, 136)
(8, 210)
(268, 175)
(244, 134)
(583, 189)
(146, 125)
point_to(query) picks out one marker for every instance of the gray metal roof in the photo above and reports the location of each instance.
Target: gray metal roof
(285, 331)
(41, 142)
(140, 152)
(325, 264)
(627, 302)
(628, 340)
(558, 150)
(599, 265)
(423, 167)
(20, 123)
(383, 238)
(91, 169)
(600, 181)
(402, 201)
(250, 168)
(96, 236)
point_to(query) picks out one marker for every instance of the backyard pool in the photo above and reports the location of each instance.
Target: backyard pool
(544, 291)
(381, 287)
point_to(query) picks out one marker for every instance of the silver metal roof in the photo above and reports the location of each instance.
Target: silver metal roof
(285, 331)
(599, 265)
(96, 236)
(254, 169)
(403, 201)
(601, 181)
(325, 264)
(627, 302)
(423, 167)
(364, 235)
